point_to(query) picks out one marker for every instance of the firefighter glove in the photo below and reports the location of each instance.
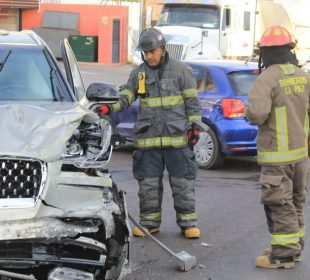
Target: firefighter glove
(103, 110)
(193, 136)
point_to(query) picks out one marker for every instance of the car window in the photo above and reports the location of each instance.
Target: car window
(25, 74)
(242, 82)
(201, 16)
(210, 84)
(204, 79)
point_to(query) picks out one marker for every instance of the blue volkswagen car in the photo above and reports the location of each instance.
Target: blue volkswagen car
(223, 88)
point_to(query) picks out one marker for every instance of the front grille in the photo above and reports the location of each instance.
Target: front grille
(20, 178)
(47, 252)
(175, 50)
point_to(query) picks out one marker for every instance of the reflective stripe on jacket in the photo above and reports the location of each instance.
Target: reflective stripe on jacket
(167, 104)
(279, 104)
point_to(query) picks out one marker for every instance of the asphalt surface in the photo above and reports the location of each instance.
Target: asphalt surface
(231, 218)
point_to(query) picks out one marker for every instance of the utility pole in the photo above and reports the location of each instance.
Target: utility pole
(141, 15)
(254, 31)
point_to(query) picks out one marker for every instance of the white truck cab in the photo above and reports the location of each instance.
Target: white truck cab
(207, 29)
(215, 29)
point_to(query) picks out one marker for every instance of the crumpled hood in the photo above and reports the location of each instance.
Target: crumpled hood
(39, 131)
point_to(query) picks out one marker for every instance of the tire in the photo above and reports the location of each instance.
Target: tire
(207, 151)
(115, 272)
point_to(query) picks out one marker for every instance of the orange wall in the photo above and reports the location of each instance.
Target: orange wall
(94, 21)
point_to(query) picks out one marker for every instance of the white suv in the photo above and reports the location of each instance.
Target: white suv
(61, 215)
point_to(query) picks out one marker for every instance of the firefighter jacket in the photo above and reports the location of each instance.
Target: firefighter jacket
(168, 103)
(279, 104)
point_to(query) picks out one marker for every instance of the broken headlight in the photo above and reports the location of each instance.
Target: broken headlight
(89, 146)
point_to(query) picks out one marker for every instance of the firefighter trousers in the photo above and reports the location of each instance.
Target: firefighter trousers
(283, 197)
(148, 169)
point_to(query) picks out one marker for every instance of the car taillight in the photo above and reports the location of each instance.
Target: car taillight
(233, 108)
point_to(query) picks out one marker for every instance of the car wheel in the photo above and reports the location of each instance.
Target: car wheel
(115, 271)
(207, 151)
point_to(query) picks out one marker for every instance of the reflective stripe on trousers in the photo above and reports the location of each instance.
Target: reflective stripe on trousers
(283, 196)
(284, 239)
(148, 168)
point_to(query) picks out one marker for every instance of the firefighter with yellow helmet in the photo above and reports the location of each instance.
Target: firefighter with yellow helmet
(168, 105)
(279, 104)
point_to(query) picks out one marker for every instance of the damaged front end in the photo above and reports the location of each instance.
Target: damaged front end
(61, 215)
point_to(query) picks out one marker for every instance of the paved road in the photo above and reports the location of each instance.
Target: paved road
(231, 218)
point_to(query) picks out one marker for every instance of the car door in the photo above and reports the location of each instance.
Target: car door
(73, 72)
(123, 122)
(209, 91)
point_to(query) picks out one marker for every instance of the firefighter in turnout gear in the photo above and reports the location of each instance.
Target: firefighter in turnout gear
(169, 104)
(279, 104)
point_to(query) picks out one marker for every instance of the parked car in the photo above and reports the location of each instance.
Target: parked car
(223, 87)
(61, 215)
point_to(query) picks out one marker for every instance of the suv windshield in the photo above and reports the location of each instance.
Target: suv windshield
(26, 74)
(242, 82)
(190, 15)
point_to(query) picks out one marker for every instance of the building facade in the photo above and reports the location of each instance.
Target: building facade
(116, 24)
(11, 13)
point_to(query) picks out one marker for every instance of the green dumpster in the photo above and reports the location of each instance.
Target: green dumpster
(85, 48)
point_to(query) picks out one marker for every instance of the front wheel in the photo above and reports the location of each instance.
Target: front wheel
(207, 151)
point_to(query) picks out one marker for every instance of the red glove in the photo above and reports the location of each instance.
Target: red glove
(193, 136)
(103, 110)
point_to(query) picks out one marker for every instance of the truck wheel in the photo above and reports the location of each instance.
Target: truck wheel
(207, 151)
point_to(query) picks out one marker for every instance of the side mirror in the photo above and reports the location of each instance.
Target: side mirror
(102, 92)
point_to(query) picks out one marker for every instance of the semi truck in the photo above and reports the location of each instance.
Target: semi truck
(215, 29)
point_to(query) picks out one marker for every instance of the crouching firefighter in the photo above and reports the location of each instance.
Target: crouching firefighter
(279, 104)
(168, 104)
